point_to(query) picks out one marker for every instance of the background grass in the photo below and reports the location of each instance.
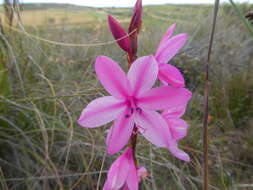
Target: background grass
(44, 87)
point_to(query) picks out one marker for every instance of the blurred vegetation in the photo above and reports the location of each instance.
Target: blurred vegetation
(44, 87)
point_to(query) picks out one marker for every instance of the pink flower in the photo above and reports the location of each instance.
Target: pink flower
(133, 103)
(123, 173)
(118, 32)
(178, 129)
(167, 49)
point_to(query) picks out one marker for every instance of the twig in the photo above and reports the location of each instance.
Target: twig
(205, 120)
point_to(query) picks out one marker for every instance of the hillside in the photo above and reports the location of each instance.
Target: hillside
(41, 14)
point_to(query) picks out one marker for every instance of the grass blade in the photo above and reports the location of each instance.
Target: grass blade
(241, 16)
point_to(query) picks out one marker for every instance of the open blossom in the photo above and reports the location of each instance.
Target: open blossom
(133, 103)
(167, 49)
(123, 173)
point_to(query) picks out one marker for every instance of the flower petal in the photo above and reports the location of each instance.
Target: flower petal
(178, 128)
(119, 171)
(166, 37)
(119, 133)
(173, 148)
(171, 75)
(170, 48)
(105, 187)
(101, 111)
(153, 127)
(142, 74)
(132, 179)
(163, 97)
(125, 187)
(175, 112)
(112, 77)
(118, 32)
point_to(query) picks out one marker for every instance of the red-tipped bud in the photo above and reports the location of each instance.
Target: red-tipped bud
(119, 34)
(134, 28)
(136, 18)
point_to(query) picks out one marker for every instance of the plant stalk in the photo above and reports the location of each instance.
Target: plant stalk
(131, 57)
(206, 102)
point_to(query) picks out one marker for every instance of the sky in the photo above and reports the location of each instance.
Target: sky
(124, 3)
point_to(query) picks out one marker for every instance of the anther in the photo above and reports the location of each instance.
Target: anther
(138, 110)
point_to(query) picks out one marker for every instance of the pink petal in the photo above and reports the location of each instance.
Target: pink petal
(166, 37)
(178, 128)
(119, 171)
(171, 75)
(163, 98)
(142, 74)
(106, 186)
(101, 111)
(175, 112)
(112, 77)
(132, 179)
(118, 32)
(119, 133)
(170, 48)
(125, 187)
(153, 127)
(173, 147)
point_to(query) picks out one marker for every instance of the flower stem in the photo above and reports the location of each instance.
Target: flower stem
(133, 142)
(206, 107)
(131, 57)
